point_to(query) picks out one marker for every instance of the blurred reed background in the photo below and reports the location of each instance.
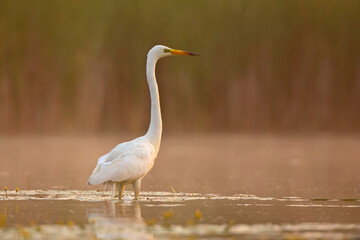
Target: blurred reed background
(265, 66)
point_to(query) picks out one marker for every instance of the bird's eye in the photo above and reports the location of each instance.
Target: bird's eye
(166, 50)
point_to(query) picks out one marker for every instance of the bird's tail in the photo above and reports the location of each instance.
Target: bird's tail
(102, 174)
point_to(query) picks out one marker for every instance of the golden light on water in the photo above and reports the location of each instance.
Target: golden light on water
(260, 132)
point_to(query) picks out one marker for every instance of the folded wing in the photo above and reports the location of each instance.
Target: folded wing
(125, 163)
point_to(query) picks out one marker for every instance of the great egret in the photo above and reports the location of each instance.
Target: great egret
(130, 161)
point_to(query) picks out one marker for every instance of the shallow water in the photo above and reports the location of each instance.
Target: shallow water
(165, 214)
(252, 187)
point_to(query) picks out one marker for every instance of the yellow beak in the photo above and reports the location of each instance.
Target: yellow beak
(180, 52)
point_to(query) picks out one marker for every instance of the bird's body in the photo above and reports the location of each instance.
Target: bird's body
(125, 163)
(130, 161)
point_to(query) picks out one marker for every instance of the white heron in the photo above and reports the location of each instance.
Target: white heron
(130, 161)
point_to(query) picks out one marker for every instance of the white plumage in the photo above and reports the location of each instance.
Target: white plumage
(127, 162)
(130, 161)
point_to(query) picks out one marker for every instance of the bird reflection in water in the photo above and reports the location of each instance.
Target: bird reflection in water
(118, 219)
(116, 211)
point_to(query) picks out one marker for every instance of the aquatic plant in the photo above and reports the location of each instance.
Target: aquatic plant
(2, 219)
(150, 222)
(190, 222)
(172, 189)
(70, 223)
(197, 214)
(230, 224)
(168, 214)
(60, 222)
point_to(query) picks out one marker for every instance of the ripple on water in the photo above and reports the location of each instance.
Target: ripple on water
(101, 227)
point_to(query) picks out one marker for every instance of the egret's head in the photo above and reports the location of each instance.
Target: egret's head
(160, 51)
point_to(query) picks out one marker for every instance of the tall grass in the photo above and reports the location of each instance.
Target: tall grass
(264, 66)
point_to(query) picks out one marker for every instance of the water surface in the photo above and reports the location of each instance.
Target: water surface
(256, 187)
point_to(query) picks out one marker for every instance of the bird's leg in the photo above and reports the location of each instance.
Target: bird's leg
(113, 192)
(105, 185)
(121, 189)
(137, 186)
(117, 185)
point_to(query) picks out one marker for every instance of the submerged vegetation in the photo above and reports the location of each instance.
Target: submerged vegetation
(68, 65)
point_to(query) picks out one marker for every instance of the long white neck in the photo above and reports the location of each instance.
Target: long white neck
(155, 128)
